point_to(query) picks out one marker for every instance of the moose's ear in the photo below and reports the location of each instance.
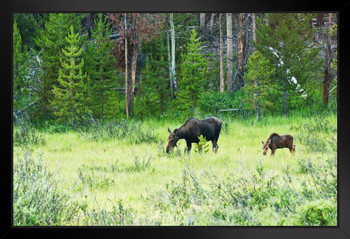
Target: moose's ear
(175, 131)
(169, 130)
(262, 142)
(269, 141)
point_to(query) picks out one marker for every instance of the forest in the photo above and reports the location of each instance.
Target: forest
(94, 95)
(67, 67)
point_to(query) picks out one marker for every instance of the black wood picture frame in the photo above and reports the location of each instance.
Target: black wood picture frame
(8, 7)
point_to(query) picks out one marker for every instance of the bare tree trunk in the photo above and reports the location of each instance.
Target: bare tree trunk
(254, 28)
(132, 82)
(102, 99)
(285, 104)
(212, 18)
(240, 51)
(222, 87)
(327, 68)
(173, 72)
(255, 80)
(229, 51)
(126, 70)
(319, 19)
(169, 65)
(202, 20)
(139, 73)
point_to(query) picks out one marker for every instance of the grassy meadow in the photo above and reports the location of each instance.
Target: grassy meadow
(119, 174)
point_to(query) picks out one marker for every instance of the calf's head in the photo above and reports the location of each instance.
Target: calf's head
(172, 140)
(265, 146)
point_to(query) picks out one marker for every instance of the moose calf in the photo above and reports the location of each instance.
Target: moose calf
(275, 141)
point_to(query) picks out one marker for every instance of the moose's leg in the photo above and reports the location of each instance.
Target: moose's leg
(189, 145)
(272, 151)
(215, 145)
(292, 149)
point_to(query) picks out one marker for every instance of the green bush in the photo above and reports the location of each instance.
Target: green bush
(37, 199)
(94, 180)
(202, 146)
(130, 131)
(25, 134)
(118, 216)
(211, 102)
(318, 213)
(318, 135)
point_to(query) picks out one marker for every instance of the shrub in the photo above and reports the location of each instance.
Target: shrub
(318, 135)
(318, 213)
(140, 164)
(118, 216)
(211, 102)
(25, 134)
(94, 181)
(130, 131)
(37, 199)
(202, 146)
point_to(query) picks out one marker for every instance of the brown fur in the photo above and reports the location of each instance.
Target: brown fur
(275, 141)
(191, 129)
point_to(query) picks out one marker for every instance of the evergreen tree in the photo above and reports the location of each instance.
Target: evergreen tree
(191, 85)
(21, 92)
(285, 39)
(155, 94)
(69, 102)
(99, 65)
(51, 40)
(260, 89)
(29, 25)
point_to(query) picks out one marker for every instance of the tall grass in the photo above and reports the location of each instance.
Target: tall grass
(131, 132)
(107, 177)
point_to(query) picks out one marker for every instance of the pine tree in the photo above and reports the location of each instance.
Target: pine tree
(29, 24)
(285, 40)
(69, 101)
(260, 89)
(21, 92)
(193, 69)
(51, 40)
(99, 64)
(155, 93)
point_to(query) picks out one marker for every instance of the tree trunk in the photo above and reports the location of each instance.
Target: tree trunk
(132, 82)
(255, 80)
(169, 65)
(102, 105)
(126, 70)
(202, 20)
(319, 19)
(139, 73)
(254, 28)
(212, 18)
(229, 51)
(327, 68)
(222, 87)
(240, 51)
(173, 72)
(285, 104)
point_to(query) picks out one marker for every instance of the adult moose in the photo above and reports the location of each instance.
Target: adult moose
(192, 129)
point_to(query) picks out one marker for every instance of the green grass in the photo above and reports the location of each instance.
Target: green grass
(114, 176)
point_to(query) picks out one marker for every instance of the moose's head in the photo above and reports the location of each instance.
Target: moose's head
(172, 140)
(265, 146)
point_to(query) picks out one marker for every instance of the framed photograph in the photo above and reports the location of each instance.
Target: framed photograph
(197, 119)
